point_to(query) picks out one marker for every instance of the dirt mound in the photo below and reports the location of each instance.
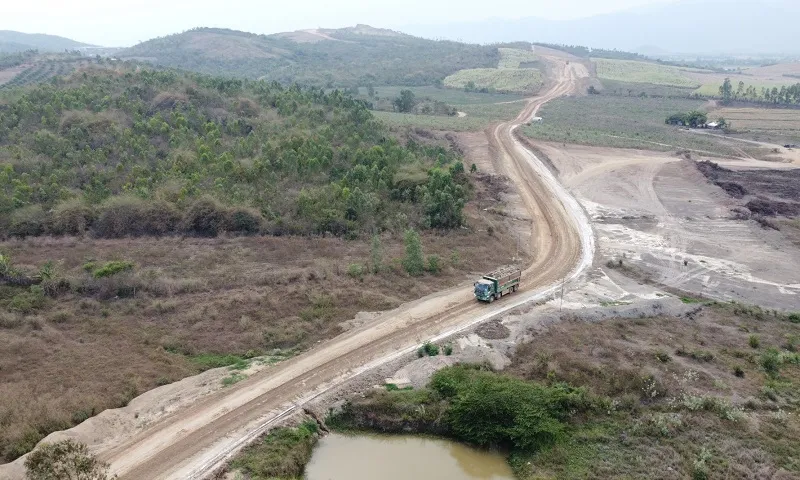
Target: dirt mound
(493, 331)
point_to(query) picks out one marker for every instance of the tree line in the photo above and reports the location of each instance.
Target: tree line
(785, 95)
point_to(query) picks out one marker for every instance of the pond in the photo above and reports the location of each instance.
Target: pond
(367, 457)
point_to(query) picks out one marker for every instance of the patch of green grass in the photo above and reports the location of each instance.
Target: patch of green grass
(282, 454)
(207, 361)
(633, 89)
(233, 379)
(623, 122)
(643, 72)
(521, 80)
(514, 57)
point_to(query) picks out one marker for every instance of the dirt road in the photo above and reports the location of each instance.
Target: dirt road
(194, 441)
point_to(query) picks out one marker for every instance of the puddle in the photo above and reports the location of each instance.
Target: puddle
(369, 457)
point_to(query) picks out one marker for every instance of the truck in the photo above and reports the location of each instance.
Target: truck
(498, 283)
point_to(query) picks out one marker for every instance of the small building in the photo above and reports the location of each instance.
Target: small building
(713, 125)
(535, 120)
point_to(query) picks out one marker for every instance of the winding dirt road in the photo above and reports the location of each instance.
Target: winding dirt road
(193, 442)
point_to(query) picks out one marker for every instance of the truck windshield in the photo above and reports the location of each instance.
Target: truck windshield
(481, 288)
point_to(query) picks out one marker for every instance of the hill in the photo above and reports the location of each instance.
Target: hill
(13, 42)
(359, 55)
(120, 152)
(698, 26)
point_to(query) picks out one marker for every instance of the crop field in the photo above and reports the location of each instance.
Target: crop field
(450, 96)
(479, 116)
(630, 89)
(520, 80)
(39, 73)
(516, 58)
(764, 123)
(642, 72)
(624, 122)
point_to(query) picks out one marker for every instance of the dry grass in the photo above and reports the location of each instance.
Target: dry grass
(678, 407)
(87, 350)
(763, 123)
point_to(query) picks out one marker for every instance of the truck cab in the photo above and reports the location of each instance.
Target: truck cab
(484, 290)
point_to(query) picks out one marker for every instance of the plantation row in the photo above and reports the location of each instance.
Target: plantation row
(39, 73)
(133, 154)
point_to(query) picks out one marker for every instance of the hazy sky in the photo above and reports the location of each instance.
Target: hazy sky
(126, 22)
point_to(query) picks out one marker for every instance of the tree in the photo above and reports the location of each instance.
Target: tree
(443, 199)
(414, 261)
(405, 102)
(592, 91)
(376, 254)
(726, 91)
(64, 460)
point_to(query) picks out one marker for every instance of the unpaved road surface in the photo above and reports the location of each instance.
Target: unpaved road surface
(192, 441)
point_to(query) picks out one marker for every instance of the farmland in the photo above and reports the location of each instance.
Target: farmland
(642, 72)
(764, 124)
(516, 58)
(515, 80)
(627, 122)
(450, 96)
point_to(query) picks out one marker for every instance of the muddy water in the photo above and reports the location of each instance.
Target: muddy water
(371, 457)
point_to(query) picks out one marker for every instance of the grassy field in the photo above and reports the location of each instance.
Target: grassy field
(642, 72)
(631, 89)
(764, 124)
(450, 96)
(514, 57)
(520, 80)
(479, 116)
(626, 122)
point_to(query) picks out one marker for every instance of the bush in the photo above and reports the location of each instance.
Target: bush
(771, 362)
(73, 217)
(244, 220)
(128, 215)
(355, 270)
(205, 217)
(428, 349)
(65, 459)
(112, 268)
(738, 371)
(493, 410)
(753, 341)
(28, 301)
(28, 221)
(283, 453)
(434, 264)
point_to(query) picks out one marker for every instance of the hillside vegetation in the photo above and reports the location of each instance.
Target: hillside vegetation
(345, 57)
(512, 80)
(149, 153)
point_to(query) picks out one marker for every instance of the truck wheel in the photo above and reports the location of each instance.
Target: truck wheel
(491, 299)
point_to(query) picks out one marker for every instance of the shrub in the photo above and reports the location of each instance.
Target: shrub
(448, 349)
(662, 356)
(112, 268)
(283, 453)
(65, 459)
(434, 264)
(28, 221)
(355, 270)
(738, 371)
(205, 217)
(753, 341)
(128, 215)
(771, 362)
(29, 301)
(244, 220)
(72, 217)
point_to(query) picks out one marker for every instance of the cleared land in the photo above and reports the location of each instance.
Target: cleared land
(642, 72)
(521, 80)
(626, 122)
(478, 117)
(766, 124)
(447, 95)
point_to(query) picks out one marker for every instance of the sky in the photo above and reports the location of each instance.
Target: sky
(117, 23)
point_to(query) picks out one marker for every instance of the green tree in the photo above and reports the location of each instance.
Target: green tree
(64, 460)
(414, 261)
(443, 200)
(726, 91)
(376, 254)
(405, 102)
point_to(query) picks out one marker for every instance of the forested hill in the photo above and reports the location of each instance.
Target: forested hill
(13, 42)
(357, 56)
(121, 152)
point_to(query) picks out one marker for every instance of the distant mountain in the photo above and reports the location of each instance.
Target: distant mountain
(360, 55)
(702, 26)
(11, 42)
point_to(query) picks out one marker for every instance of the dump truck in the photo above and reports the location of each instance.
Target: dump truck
(498, 283)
